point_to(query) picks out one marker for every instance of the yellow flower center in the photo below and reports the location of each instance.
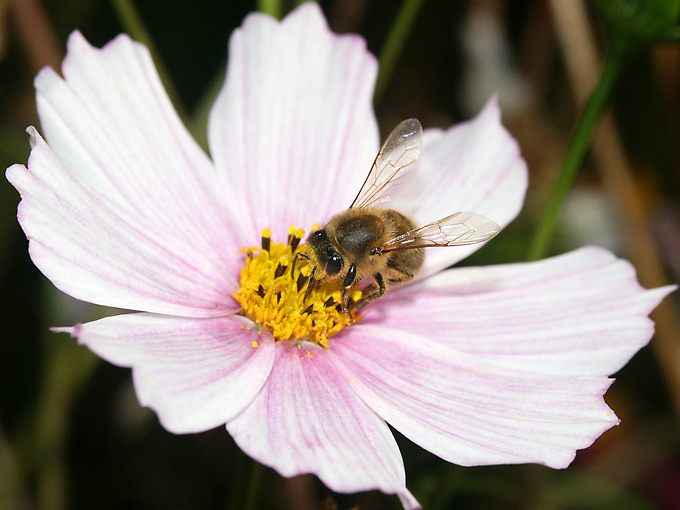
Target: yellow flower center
(275, 299)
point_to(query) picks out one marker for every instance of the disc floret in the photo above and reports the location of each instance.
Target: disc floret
(275, 299)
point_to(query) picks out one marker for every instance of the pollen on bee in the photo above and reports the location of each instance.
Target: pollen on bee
(275, 299)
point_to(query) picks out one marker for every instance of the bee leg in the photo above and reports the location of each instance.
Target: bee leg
(292, 268)
(310, 285)
(373, 293)
(404, 274)
(347, 285)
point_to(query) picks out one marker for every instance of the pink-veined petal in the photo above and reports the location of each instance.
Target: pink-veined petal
(110, 122)
(474, 166)
(581, 313)
(94, 250)
(195, 373)
(307, 419)
(468, 411)
(293, 128)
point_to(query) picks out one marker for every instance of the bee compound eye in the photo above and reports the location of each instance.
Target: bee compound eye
(333, 263)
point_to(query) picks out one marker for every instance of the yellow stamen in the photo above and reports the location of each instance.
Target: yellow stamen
(273, 298)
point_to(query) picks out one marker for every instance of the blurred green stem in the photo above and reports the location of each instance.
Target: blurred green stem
(68, 367)
(13, 144)
(394, 44)
(132, 23)
(198, 125)
(37, 450)
(254, 487)
(578, 147)
(271, 7)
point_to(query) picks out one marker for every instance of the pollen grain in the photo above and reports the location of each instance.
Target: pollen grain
(274, 298)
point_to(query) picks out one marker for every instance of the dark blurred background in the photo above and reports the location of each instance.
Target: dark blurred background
(71, 432)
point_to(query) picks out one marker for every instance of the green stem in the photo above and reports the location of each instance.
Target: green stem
(394, 44)
(198, 125)
(254, 486)
(576, 152)
(132, 23)
(13, 144)
(271, 7)
(37, 452)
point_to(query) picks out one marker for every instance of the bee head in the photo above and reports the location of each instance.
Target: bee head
(326, 255)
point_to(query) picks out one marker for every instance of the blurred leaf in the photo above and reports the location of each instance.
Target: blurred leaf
(587, 492)
(441, 489)
(396, 39)
(198, 124)
(14, 147)
(642, 21)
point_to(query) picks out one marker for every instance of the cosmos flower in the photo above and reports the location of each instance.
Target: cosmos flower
(491, 365)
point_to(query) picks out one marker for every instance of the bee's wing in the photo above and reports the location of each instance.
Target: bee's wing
(456, 230)
(399, 154)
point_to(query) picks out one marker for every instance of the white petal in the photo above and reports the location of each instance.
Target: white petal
(97, 251)
(195, 373)
(474, 166)
(468, 411)
(582, 313)
(293, 128)
(307, 419)
(111, 124)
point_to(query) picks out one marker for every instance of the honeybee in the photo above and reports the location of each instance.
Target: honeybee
(370, 240)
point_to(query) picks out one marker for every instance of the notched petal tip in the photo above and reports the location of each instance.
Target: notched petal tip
(75, 40)
(309, 11)
(605, 257)
(77, 43)
(74, 331)
(32, 136)
(492, 104)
